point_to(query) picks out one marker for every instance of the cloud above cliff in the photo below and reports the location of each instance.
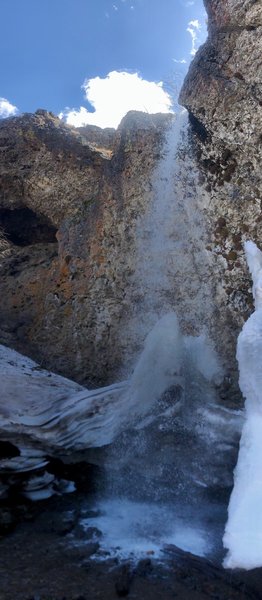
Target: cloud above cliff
(194, 28)
(7, 109)
(113, 96)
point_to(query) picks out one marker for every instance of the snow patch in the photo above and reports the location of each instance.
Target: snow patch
(134, 528)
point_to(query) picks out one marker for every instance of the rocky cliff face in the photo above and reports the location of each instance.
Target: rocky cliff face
(223, 94)
(69, 202)
(72, 202)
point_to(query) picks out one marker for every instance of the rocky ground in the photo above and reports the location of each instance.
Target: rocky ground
(48, 557)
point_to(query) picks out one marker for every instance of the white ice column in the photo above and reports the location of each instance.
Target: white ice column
(243, 533)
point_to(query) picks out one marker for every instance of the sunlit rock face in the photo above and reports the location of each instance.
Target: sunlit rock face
(222, 92)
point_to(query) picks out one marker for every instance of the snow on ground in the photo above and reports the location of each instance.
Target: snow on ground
(136, 528)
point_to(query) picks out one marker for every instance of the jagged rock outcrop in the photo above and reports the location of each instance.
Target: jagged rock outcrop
(223, 94)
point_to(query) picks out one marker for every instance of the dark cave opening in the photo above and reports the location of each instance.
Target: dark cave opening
(198, 128)
(8, 450)
(23, 227)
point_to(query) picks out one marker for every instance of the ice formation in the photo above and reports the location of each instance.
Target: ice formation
(243, 533)
(43, 414)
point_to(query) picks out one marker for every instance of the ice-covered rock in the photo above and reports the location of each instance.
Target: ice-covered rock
(43, 414)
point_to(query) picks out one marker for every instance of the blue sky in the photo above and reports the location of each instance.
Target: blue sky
(49, 48)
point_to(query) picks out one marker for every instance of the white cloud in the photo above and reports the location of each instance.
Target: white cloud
(182, 61)
(116, 94)
(194, 27)
(195, 23)
(115, 7)
(7, 109)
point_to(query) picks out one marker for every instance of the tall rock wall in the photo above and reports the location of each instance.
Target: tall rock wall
(223, 94)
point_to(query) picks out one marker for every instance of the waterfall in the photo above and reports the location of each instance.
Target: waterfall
(162, 472)
(173, 269)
